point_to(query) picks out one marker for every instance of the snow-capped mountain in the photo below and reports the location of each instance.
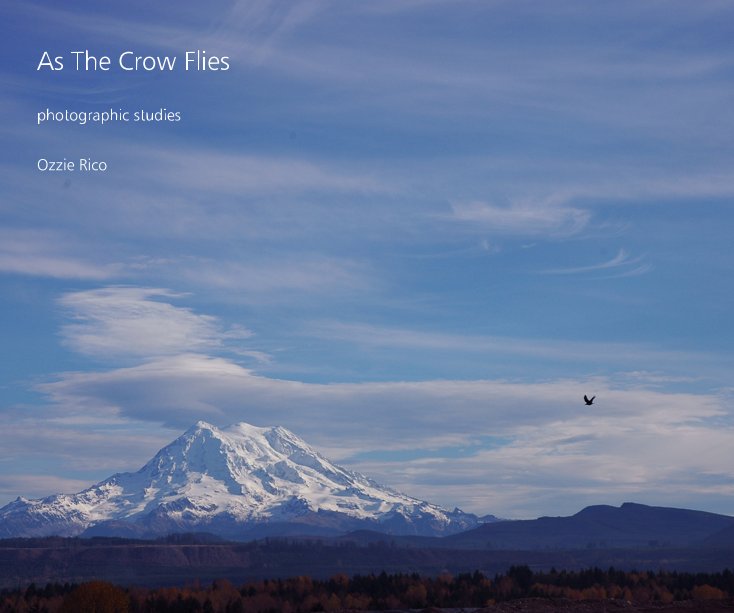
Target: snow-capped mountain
(239, 482)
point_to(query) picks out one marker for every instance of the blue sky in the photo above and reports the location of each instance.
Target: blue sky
(414, 232)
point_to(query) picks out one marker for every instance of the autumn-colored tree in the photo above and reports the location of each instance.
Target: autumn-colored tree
(707, 592)
(415, 595)
(96, 597)
(369, 592)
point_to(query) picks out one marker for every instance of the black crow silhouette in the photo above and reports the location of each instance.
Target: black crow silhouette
(589, 401)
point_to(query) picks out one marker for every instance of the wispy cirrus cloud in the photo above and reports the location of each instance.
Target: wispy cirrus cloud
(48, 254)
(555, 350)
(238, 173)
(249, 31)
(523, 218)
(278, 276)
(620, 265)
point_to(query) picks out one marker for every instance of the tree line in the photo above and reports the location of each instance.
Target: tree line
(371, 592)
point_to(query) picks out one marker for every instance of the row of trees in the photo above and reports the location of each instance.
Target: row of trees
(371, 592)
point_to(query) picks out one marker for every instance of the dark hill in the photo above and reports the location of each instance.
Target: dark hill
(629, 526)
(722, 539)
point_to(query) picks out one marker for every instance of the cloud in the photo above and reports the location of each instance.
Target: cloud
(173, 389)
(622, 263)
(237, 173)
(524, 219)
(41, 253)
(600, 457)
(50, 449)
(38, 486)
(129, 321)
(252, 31)
(621, 354)
(304, 273)
(206, 196)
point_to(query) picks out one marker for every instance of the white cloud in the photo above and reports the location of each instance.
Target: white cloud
(47, 254)
(202, 195)
(129, 321)
(38, 486)
(558, 467)
(525, 219)
(236, 173)
(621, 354)
(65, 451)
(231, 24)
(303, 273)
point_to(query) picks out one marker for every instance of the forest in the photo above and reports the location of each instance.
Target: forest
(374, 592)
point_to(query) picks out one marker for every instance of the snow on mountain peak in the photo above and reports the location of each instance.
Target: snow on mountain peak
(236, 476)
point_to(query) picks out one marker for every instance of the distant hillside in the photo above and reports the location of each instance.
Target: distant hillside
(725, 538)
(629, 526)
(158, 563)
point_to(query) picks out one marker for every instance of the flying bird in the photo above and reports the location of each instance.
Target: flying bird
(589, 401)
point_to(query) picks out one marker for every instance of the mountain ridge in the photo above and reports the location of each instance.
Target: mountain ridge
(604, 526)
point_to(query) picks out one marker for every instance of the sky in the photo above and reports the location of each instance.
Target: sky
(413, 232)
